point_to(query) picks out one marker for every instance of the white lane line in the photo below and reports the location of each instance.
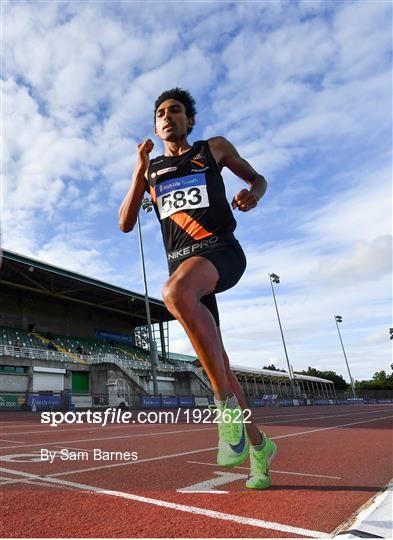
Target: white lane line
(319, 417)
(32, 482)
(157, 458)
(263, 418)
(186, 431)
(207, 486)
(272, 470)
(112, 438)
(242, 520)
(9, 440)
(126, 463)
(331, 427)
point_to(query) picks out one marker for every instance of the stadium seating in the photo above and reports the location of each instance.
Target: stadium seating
(10, 336)
(69, 345)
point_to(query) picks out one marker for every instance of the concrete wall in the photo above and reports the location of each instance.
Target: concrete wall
(99, 376)
(197, 389)
(18, 382)
(13, 382)
(183, 384)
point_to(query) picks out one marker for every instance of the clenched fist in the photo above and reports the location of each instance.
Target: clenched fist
(144, 149)
(244, 201)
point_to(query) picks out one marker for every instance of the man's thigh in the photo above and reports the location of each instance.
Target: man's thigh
(197, 274)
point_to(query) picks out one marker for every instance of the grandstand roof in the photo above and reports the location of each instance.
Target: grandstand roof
(274, 375)
(279, 376)
(21, 272)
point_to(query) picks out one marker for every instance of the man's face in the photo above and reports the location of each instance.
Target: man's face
(172, 123)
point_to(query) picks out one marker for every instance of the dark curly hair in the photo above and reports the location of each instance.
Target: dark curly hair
(179, 95)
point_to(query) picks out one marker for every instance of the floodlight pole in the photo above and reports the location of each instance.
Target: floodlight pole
(338, 319)
(275, 278)
(153, 345)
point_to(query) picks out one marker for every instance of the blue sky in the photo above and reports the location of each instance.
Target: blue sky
(302, 89)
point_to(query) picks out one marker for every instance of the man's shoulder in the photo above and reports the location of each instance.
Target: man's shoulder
(221, 149)
(218, 140)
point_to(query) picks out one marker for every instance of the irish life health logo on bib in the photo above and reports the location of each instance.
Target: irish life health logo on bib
(185, 193)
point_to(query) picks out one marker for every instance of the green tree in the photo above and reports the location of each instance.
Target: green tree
(272, 367)
(338, 380)
(380, 376)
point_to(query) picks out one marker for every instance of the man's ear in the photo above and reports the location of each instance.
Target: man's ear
(155, 131)
(191, 121)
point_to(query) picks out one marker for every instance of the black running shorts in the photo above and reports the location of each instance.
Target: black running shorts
(230, 263)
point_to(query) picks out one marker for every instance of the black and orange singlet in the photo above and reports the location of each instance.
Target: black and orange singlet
(189, 198)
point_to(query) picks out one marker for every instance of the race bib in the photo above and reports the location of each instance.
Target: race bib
(185, 193)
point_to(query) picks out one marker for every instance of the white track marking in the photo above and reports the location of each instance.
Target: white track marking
(272, 470)
(319, 417)
(157, 458)
(111, 438)
(9, 440)
(33, 483)
(241, 520)
(124, 464)
(208, 486)
(330, 427)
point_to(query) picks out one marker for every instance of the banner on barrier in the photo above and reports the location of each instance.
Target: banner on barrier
(201, 402)
(186, 401)
(82, 402)
(285, 402)
(257, 402)
(37, 402)
(355, 401)
(12, 401)
(323, 402)
(170, 401)
(151, 402)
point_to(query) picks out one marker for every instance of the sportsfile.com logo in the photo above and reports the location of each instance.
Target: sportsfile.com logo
(116, 416)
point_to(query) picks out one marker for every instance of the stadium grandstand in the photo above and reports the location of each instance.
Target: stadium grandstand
(69, 339)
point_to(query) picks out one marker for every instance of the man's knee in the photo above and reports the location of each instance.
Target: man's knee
(177, 296)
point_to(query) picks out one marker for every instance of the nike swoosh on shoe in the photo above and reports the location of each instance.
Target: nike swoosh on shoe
(239, 447)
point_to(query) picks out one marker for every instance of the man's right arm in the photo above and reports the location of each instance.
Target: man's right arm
(129, 208)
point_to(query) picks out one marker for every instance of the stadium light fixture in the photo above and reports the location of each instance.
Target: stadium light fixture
(339, 319)
(146, 206)
(391, 333)
(274, 278)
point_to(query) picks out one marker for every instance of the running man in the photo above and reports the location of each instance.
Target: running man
(204, 257)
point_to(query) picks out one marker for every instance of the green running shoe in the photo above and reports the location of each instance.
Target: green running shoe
(259, 477)
(233, 447)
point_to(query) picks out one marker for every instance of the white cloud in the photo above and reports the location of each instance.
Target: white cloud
(366, 261)
(299, 90)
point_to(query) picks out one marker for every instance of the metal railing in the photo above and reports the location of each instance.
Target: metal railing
(38, 354)
(99, 358)
(124, 366)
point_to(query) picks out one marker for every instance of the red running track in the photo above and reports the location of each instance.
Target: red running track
(331, 461)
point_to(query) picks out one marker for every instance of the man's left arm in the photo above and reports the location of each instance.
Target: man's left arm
(226, 155)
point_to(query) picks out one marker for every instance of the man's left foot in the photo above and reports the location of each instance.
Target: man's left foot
(259, 477)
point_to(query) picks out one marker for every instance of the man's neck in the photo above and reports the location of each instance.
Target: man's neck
(176, 148)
